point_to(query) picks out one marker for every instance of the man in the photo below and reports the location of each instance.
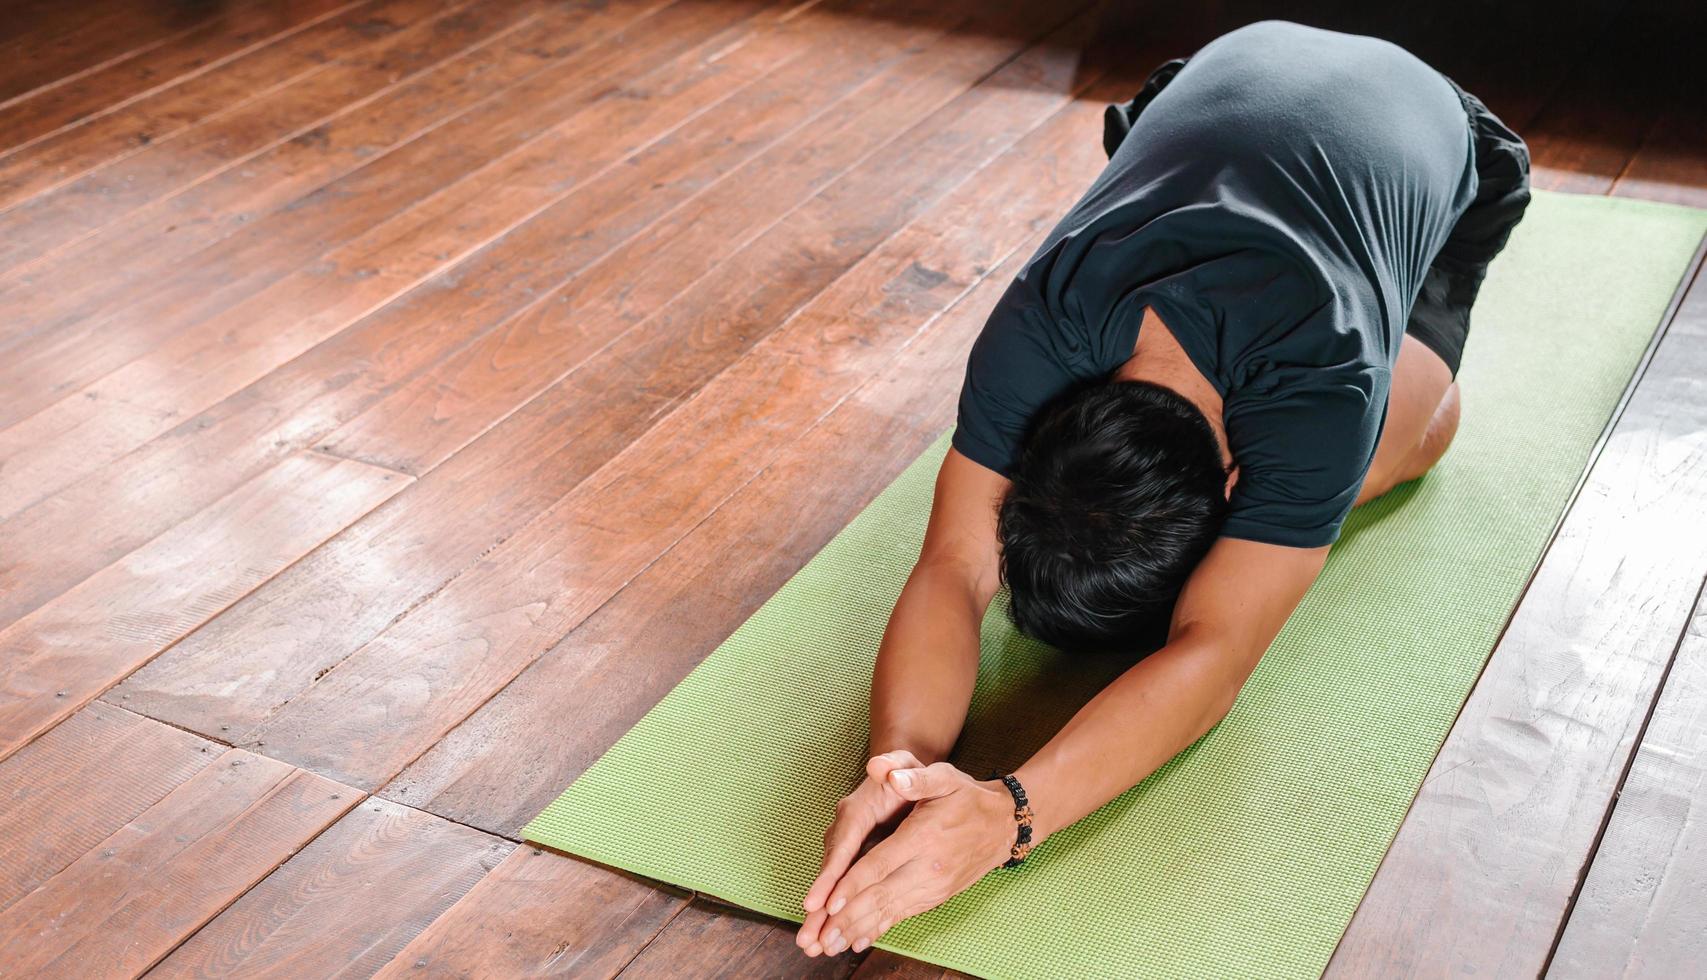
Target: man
(1252, 321)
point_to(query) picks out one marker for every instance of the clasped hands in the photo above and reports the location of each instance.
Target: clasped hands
(949, 830)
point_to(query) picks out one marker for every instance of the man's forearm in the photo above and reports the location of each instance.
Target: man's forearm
(1140, 721)
(927, 664)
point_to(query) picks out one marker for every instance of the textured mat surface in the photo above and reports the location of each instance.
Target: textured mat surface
(1247, 854)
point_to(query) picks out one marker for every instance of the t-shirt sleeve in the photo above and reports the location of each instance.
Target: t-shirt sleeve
(1015, 368)
(1303, 447)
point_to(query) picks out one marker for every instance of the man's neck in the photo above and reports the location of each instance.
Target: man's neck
(1159, 359)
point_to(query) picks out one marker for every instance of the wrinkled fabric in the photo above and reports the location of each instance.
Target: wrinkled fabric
(1280, 200)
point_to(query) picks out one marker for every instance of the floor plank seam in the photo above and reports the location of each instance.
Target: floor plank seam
(683, 205)
(330, 452)
(1691, 272)
(178, 79)
(654, 938)
(1588, 859)
(710, 512)
(232, 163)
(158, 721)
(99, 66)
(192, 933)
(1039, 38)
(430, 274)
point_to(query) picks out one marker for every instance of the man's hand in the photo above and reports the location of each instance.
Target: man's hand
(872, 808)
(958, 830)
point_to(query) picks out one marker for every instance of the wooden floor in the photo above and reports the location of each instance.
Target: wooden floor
(397, 397)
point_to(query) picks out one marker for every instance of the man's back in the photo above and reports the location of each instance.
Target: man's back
(1277, 205)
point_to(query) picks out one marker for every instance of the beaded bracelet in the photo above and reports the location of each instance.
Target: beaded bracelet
(1022, 816)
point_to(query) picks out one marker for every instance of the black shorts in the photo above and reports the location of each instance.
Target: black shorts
(1440, 318)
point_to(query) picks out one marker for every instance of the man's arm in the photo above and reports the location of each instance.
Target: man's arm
(928, 661)
(1229, 612)
(1231, 609)
(926, 667)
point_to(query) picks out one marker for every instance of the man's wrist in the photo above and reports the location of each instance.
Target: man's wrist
(884, 744)
(1041, 825)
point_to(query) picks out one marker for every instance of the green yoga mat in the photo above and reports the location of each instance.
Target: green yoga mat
(1247, 854)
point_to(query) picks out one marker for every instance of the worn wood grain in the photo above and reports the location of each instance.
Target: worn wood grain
(107, 33)
(347, 903)
(712, 940)
(478, 123)
(126, 309)
(41, 228)
(1640, 912)
(1482, 871)
(881, 964)
(63, 156)
(540, 914)
(521, 158)
(498, 769)
(230, 34)
(838, 112)
(515, 472)
(139, 893)
(473, 636)
(82, 781)
(57, 658)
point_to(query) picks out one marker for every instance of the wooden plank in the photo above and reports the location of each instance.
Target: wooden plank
(106, 36)
(232, 33)
(467, 641)
(249, 233)
(265, 152)
(1484, 867)
(880, 964)
(1671, 164)
(406, 552)
(1640, 912)
(580, 158)
(134, 897)
(65, 653)
(497, 770)
(347, 903)
(76, 785)
(54, 160)
(1593, 125)
(709, 939)
(540, 914)
(509, 365)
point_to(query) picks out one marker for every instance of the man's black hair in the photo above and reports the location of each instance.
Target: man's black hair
(1118, 492)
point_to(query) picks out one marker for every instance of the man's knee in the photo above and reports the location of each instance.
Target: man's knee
(1442, 426)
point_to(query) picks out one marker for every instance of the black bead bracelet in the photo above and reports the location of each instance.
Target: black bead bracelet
(1022, 816)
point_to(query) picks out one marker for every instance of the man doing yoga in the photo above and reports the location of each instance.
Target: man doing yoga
(1251, 322)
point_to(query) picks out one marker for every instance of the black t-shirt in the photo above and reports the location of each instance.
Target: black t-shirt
(1278, 205)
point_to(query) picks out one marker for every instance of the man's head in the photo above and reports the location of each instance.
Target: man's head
(1118, 492)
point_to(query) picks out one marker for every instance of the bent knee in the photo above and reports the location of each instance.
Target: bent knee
(1442, 426)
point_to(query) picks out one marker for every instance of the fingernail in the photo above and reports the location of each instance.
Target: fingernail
(903, 778)
(815, 950)
(836, 906)
(860, 944)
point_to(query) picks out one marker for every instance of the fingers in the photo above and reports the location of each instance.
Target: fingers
(810, 936)
(871, 913)
(878, 864)
(856, 817)
(927, 783)
(880, 766)
(854, 821)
